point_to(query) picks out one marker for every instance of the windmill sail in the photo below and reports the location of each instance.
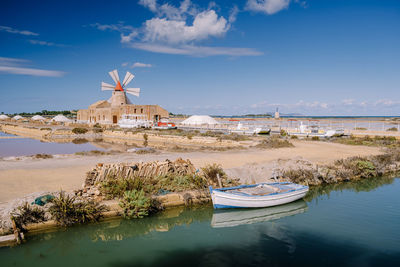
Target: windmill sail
(128, 78)
(133, 91)
(106, 86)
(114, 76)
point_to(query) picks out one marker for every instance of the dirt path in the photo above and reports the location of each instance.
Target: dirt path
(18, 178)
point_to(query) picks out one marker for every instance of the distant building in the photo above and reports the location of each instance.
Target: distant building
(112, 110)
(277, 116)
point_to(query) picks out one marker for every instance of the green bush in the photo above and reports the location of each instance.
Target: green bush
(113, 188)
(45, 129)
(283, 132)
(67, 210)
(135, 204)
(294, 137)
(315, 138)
(80, 130)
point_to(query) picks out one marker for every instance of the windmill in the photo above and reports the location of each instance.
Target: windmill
(119, 90)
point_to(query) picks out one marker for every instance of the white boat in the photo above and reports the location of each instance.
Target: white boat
(257, 195)
(235, 217)
(134, 121)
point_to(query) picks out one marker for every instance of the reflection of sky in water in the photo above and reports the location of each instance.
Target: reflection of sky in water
(27, 146)
(5, 134)
(342, 228)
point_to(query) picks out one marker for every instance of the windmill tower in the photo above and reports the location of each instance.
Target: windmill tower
(119, 97)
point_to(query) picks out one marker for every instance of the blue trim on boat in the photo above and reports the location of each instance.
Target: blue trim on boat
(219, 206)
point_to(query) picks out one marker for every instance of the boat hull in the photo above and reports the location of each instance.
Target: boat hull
(222, 199)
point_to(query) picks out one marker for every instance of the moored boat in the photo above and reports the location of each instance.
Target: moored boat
(257, 195)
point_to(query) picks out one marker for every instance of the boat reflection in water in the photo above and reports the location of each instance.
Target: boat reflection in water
(230, 218)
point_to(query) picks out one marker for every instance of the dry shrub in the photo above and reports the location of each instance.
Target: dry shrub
(274, 142)
(210, 171)
(43, 156)
(80, 130)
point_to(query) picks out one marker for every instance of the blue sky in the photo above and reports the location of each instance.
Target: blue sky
(314, 57)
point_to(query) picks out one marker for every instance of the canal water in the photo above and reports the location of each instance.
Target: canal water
(352, 224)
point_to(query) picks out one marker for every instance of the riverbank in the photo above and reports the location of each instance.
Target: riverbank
(22, 177)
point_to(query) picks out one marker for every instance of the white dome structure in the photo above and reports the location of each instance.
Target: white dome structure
(199, 120)
(60, 118)
(17, 117)
(38, 118)
(4, 117)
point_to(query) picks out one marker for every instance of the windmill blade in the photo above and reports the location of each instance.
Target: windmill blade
(106, 86)
(128, 78)
(133, 91)
(114, 75)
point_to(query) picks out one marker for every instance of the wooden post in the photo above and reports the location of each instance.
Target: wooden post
(16, 231)
(219, 180)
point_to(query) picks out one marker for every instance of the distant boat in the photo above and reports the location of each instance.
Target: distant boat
(257, 195)
(235, 217)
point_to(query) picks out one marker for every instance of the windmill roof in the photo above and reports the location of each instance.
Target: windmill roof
(199, 120)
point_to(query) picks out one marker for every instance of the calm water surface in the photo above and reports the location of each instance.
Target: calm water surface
(27, 146)
(354, 224)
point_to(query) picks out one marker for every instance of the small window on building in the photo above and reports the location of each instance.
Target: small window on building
(134, 111)
(104, 117)
(141, 110)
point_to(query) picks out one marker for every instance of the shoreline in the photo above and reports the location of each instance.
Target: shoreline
(67, 172)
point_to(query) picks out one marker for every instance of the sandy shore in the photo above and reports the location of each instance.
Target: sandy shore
(18, 178)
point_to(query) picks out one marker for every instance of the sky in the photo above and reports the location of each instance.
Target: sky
(222, 57)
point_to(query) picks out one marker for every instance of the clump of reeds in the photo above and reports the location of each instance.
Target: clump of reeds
(26, 214)
(68, 210)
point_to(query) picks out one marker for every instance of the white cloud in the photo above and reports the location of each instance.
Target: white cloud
(179, 30)
(120, 27)
(13, 66)
(233, 14)
(12, 30)
(200, 51)
(31, 71)
(141, 65)
(206, 24)
(45, 43)
(150, 4)
(136, 65)
(267, 6)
